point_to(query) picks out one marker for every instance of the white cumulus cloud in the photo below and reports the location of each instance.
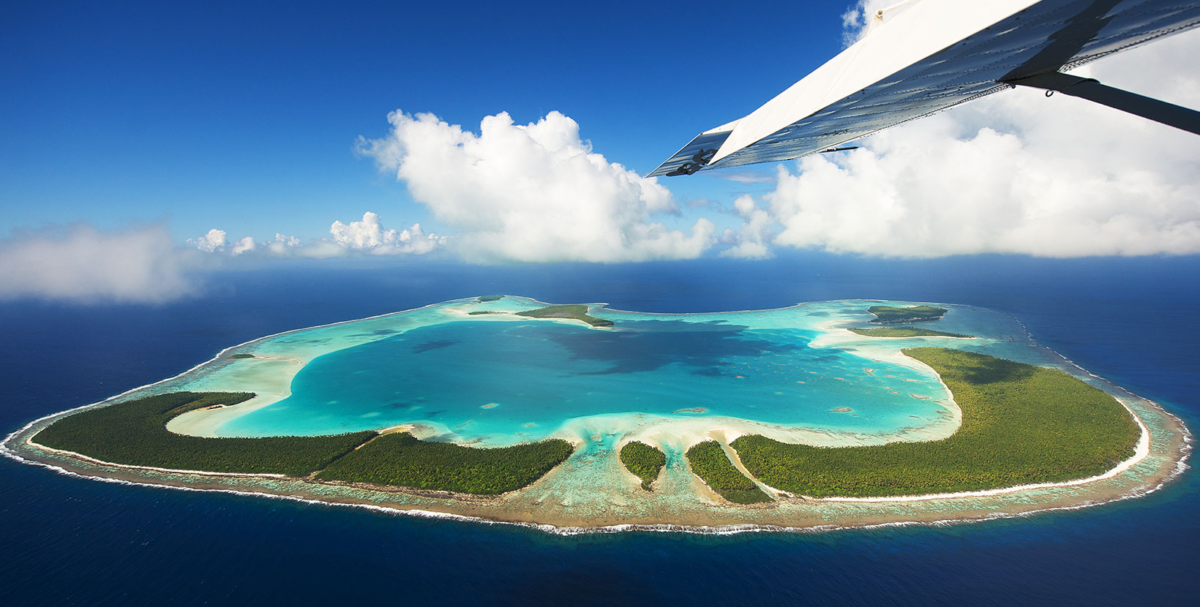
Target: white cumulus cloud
(857, 19)
(751, 241)
(534, 192)
(83, 264)
(282, 244)
(244, 245)
(214, 240)
(1014, 173)
(369, 235)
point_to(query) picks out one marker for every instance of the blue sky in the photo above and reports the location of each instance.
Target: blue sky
(145, 145)
(245, 115)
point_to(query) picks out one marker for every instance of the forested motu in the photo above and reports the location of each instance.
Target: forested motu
(1021, 424)
(402, 460)
(892, 315)
(572, 311)
(134, 433)
(644, 461)
(708, 461)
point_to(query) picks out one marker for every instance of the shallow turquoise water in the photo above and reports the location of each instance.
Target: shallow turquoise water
(510, 381)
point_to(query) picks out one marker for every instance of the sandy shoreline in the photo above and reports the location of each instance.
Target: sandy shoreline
(558, 504)
(566, 499)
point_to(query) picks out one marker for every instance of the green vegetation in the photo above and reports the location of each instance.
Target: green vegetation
(708, 461)
(487, 298)
(889, 315)
(134, 433)
(478, 312)
(400, 459)
(904, 332)
(573, 311)
(644, 461)
(1021, 424)
(242, 356)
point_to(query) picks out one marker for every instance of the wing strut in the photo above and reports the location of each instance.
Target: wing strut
(1087, 88)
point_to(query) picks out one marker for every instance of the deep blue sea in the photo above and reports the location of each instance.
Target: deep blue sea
(75, 541)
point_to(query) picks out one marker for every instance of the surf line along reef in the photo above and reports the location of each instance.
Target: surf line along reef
(582, 418)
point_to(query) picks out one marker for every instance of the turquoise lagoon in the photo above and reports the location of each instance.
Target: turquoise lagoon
(794, 374)
(497, 379)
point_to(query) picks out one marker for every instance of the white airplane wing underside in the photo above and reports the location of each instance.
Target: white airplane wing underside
(932, 56)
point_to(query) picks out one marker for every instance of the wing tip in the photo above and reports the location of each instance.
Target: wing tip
(694, 156)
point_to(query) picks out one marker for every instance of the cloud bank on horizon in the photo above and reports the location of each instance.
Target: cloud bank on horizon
(367, 237)
(1013, 173)
(81, 263)
(143, 265)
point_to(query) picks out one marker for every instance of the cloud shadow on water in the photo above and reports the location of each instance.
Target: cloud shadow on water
(651, 344)
(433, 345)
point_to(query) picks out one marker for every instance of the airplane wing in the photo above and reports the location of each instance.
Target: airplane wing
(697, 153)
(933, 56)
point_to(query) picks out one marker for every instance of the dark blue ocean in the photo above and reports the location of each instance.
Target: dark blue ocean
(73, 541)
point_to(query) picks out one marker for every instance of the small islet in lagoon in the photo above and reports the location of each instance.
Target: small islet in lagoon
(582, 418)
